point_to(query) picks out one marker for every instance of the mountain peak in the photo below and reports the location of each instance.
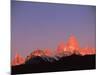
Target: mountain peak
(18, 60)
(72, 43)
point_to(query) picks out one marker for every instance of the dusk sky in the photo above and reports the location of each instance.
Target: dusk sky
(44, 25)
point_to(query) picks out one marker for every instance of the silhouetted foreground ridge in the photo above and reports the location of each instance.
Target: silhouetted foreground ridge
(38, 64)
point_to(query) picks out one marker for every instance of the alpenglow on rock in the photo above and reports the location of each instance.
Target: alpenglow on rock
(18, 60)
(72, 46)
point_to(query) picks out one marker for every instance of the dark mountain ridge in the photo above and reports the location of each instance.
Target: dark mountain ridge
(50, 64)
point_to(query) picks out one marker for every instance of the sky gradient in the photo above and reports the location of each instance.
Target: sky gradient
(44, 25)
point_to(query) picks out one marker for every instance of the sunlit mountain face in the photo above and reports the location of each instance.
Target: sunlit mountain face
(18, 60)
(71, 47)
(87, 51)
(40, 53)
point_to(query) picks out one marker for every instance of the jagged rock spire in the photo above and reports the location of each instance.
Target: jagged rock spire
(72, 46)
(61, 47)
(72, 43)
(18, 60)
